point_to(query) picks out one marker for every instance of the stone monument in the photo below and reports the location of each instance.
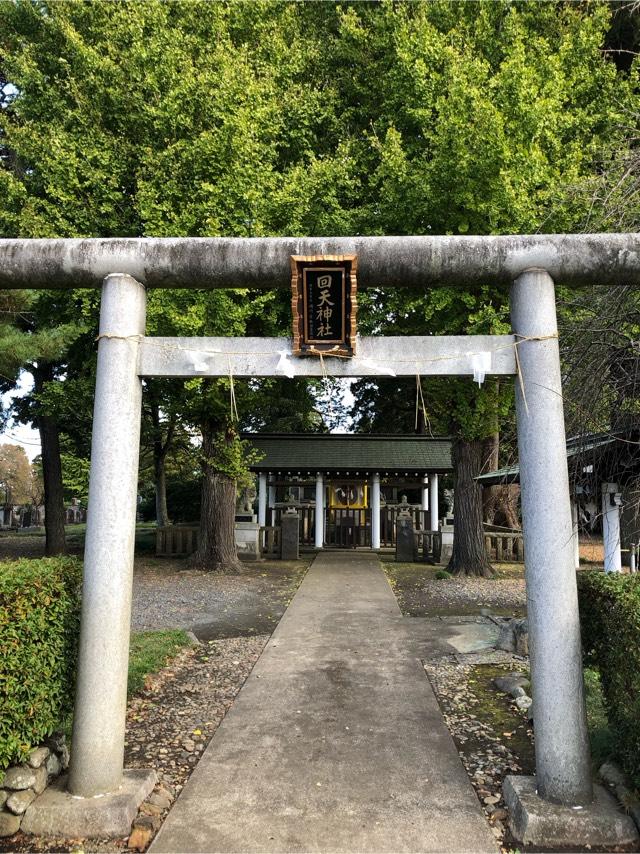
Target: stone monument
(247, 527)
(406, 551)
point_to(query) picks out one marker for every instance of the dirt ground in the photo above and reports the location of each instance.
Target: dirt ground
(166, 595)
(421, 594)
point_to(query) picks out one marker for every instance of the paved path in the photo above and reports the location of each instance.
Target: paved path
(336, 742)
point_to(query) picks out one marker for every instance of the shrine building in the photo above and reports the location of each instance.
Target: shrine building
(357, 480)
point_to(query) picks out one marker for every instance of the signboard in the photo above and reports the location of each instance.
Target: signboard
(323, 300)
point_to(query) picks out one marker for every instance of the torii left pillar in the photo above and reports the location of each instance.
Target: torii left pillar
(106, 798)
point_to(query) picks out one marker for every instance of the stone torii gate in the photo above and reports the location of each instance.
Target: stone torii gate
(127, 267)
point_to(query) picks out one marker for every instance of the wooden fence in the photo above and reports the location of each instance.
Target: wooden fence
(176, 540)
(270, 540)
(388, 524)
(181, 541)
(505, 545)
(307, 523)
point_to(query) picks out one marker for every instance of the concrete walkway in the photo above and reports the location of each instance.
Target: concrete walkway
(336, 742)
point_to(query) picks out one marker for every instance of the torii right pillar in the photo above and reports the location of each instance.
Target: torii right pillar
(558, 807)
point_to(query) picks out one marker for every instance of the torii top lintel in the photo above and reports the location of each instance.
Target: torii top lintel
(263, 262)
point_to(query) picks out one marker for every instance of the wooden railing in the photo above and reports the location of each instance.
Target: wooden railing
(504, 545)
(176, 540)
(270, 540)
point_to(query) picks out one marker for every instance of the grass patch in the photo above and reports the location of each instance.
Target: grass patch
(149, 653)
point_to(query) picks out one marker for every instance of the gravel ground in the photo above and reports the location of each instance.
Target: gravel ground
(13, 547)
(452, 594)
(166, 595)
(493, 737)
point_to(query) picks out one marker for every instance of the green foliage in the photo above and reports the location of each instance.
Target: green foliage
(183, 499)
(149, 652)
(230, 455)
(610, 622)
(39, 625)
(600, 734)
(443, 575)
(485, 118)
(75, 477)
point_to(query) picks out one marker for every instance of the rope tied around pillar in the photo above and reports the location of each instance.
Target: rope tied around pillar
(521, 340)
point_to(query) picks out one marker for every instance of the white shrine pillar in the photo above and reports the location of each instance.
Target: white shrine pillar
(563, 766)
(433, 500)
(425, 493)
(97, 752)
(575, 532)
(611, 527)
(375, 511)
(262, 499)
(319, 537)
(272, 498)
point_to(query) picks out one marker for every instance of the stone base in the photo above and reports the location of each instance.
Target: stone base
(57, 813)
(447, 543)
(248, 540)
(534, 821)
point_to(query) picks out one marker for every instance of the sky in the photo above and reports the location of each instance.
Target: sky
(21, 434)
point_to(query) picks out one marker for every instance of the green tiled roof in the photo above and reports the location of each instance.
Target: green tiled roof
(351, 452)
(578, 448)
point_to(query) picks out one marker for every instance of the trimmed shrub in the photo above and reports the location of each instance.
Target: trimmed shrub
(39, 627)
(610, 623)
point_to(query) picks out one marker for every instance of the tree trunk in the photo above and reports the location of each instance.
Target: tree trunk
(160, 449)
(216, 550)
(160, 478)
(54, 515)
(469, 556)
(499, 502)
(490, 454)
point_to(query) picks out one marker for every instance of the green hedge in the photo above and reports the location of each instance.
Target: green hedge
(610, 623)
(39, 626)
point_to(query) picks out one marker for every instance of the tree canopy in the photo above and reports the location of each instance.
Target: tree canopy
(184, 118)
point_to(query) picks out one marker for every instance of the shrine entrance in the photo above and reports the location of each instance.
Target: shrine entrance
(526, 264)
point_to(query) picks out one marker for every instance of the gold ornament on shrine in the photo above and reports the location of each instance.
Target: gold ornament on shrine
(324, 305)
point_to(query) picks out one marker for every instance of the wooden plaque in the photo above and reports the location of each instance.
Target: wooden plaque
(324, 305)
